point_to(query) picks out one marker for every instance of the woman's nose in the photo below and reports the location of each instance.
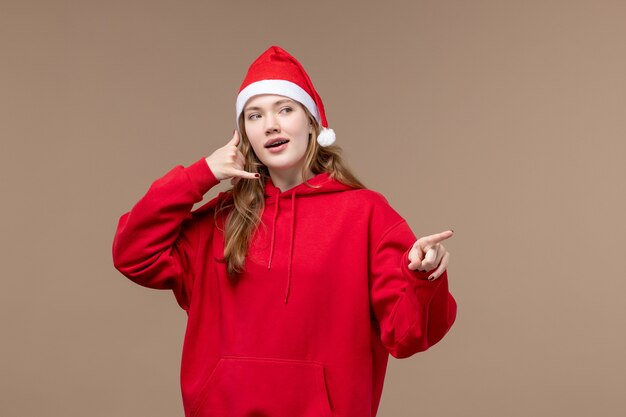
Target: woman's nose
(271, 124)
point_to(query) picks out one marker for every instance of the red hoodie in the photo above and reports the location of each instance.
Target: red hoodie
(325, 297)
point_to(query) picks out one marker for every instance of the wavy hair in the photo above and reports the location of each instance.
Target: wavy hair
(245, 201)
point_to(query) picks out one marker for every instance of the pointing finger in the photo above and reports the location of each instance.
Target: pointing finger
(439, 237)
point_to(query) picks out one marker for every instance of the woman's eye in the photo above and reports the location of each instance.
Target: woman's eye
(288, 108)
(252, 116)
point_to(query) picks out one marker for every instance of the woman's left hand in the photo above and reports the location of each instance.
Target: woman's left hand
(427, 252)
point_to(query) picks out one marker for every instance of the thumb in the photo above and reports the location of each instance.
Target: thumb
(235, 139)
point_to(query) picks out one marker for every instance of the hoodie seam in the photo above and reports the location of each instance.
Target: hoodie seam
(386, 233)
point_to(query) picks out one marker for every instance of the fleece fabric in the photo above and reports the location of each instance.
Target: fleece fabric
(325, 297)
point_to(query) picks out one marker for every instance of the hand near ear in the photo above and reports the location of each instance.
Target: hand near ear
(427, 253)
(228, 162)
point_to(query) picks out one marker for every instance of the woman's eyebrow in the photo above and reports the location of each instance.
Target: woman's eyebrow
(279, 102)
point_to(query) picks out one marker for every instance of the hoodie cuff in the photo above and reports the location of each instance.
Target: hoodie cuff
(201, 176)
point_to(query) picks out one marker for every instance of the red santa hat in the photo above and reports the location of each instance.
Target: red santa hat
(276, 71)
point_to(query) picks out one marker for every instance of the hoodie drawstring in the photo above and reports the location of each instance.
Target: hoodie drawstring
(293, 221)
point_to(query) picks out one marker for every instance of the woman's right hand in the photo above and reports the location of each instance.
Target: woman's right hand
(228, 162)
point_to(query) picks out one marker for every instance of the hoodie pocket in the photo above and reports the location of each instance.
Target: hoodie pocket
(263, 387)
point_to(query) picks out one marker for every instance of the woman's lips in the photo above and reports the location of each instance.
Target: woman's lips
(275, 140)
(277, 149)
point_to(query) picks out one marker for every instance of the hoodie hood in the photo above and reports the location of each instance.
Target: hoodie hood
(317, 185)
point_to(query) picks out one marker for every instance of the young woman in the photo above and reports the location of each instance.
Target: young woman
(298, 282)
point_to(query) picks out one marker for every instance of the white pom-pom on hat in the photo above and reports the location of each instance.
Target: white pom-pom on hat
(326, 137)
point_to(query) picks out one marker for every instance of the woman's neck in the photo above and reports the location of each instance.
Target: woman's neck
(285, 180)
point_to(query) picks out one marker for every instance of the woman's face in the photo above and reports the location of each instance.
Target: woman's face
(268, 117)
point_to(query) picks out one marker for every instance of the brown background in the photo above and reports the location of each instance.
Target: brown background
(504, 120)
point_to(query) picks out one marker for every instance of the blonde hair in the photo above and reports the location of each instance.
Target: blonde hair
(245, 201)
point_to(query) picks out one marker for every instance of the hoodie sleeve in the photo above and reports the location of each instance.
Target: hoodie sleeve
(412, 312)
(155, 242)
